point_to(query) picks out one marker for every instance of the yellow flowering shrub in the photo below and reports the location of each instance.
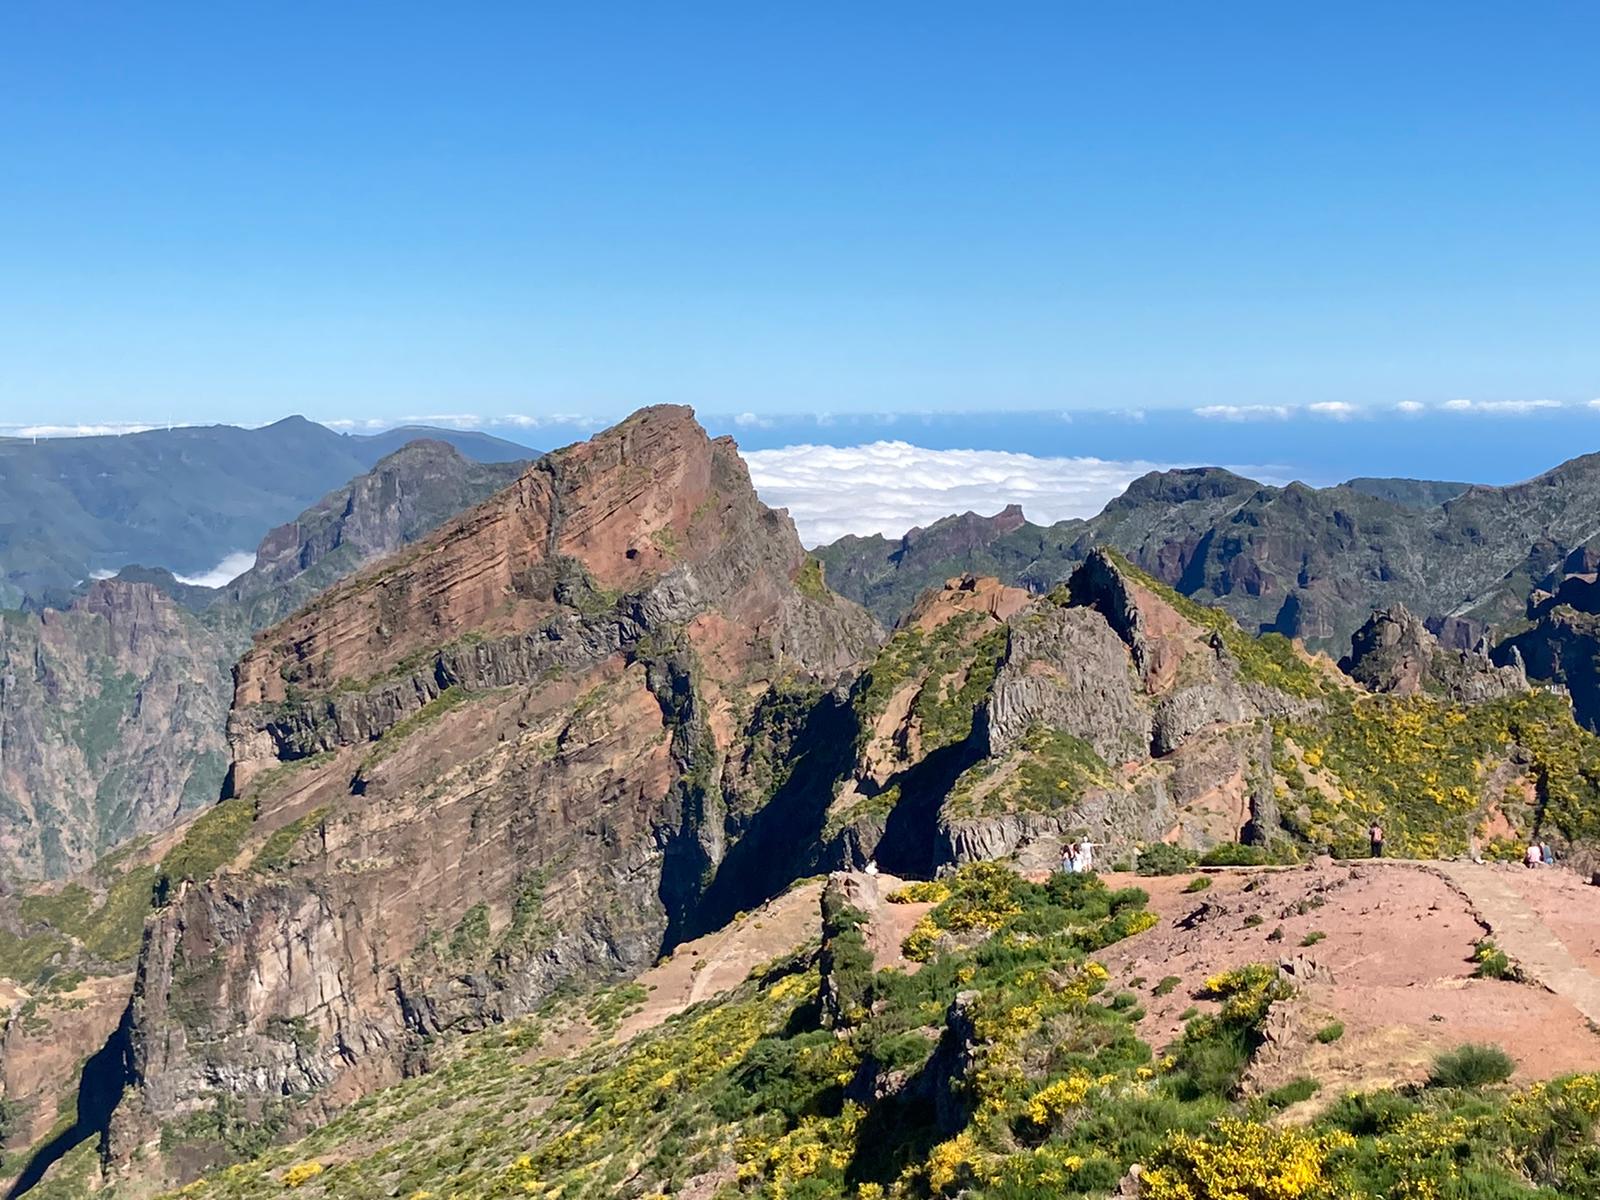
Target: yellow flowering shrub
(302, 1173)
(931, 891)
(1054, 1101)
(1246, 1160)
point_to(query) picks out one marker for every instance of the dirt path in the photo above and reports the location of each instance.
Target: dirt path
(1523, 934)
(700, 969)
(1392, 944)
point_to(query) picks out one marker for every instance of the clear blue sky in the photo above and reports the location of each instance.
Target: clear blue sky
(225, 211)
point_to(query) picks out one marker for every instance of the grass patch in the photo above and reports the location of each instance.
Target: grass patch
(276, 851)
(1291, 1093)
(391, 739)
(1471, 1066)
(212, 840)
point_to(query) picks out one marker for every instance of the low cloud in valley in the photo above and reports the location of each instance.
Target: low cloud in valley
(889, 487)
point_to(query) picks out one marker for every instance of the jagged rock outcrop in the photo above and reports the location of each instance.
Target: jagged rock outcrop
(1100, 711)
(1067, 668)
(494, 762)
(1563, 647)
(1394, 652)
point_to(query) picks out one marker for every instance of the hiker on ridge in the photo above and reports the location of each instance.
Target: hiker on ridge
(1375, 835)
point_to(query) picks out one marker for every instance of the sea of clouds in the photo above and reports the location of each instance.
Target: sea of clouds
(890, 487)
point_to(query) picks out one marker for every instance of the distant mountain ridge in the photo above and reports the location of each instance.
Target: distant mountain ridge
(1310, 563)
(181, 498)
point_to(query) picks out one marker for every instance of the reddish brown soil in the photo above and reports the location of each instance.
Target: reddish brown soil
(1394, 967)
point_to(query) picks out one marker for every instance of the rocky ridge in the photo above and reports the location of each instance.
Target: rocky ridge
(494, 763)
(113, 710)
(1394, 652)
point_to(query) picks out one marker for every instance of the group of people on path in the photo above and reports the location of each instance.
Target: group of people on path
(1078, 857)
(1538, 855)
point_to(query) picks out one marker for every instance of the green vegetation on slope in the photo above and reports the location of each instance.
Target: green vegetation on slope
(1001, 1073)
(210, 842)
(1428, 769)
(1046, 771)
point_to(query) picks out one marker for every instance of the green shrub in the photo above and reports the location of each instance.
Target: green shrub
(1164, 859)
(1471, 1066)
(1312, 938)
(1292, 1092)
(1236, 854)
(1493, 962)
(1198, 884)
(1167, 985)
(1330, 1032)
(1369, 1114)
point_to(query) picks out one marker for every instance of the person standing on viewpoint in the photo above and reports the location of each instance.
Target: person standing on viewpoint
(1375, 834)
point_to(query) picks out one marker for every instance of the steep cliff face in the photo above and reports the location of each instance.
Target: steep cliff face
(407, 494)
(111, 723)
(113, 710)
(504, 758)
(995, 723)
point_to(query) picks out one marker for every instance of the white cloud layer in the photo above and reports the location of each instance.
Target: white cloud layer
(101, 429)
(1513, 408)
(1244, 412)
(225, 572)
(889, 487)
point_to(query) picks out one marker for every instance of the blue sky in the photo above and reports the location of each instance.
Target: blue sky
(227, 212)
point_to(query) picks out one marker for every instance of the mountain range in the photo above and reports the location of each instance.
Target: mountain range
(183, 498)
(503, 744)
(1310, 563)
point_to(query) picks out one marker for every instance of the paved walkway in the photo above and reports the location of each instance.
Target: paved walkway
(1518, 930)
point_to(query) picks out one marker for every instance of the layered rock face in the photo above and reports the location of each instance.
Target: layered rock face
(113, 710)
(494, 762)
(407, 494)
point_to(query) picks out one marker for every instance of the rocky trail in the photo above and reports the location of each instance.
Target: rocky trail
(1499, 898)
(1383, 952)
(1548, 922)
